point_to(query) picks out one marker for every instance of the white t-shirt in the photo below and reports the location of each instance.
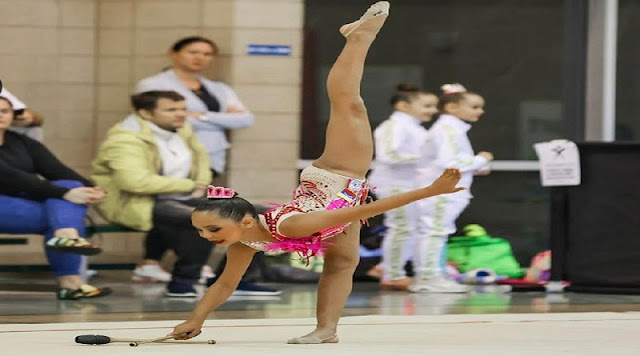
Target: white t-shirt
(175, 154)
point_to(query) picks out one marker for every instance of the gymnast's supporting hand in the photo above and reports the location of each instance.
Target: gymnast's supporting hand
(187, 330)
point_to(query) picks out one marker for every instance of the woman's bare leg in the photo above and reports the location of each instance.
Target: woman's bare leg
(349, 144)
(69, 233)
(348, 151)
(70, 281)
(335, 285)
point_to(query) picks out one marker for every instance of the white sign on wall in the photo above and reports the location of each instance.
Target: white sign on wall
(559, 163)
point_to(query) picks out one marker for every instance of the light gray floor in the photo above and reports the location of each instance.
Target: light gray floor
(562, 334)
(30, 298)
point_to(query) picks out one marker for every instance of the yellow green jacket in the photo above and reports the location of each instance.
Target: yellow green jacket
(128, 166)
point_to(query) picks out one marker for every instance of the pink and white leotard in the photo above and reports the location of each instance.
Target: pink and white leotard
(319, 189)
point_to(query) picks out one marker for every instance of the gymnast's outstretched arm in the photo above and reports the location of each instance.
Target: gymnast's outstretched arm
(239, 257)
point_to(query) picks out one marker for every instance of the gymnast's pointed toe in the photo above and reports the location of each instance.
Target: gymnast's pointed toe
(370, 22)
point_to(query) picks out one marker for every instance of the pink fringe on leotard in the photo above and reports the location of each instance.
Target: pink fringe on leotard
(314, 245)
(306, 247)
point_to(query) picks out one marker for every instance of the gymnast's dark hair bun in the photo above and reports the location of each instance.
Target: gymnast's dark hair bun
(406, 92)
(407, 87)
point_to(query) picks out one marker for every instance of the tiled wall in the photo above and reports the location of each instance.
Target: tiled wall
(135, 35)
(77, 61)
(47, 58)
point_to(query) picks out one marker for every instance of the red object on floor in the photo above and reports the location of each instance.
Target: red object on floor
(520, 282)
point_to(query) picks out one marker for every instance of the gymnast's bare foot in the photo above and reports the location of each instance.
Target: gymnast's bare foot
(370, 23)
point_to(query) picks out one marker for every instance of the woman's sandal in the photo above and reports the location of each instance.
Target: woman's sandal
(79, 246)
(85, 291)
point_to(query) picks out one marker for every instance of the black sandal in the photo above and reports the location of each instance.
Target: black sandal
(85, 291)
(79, 246)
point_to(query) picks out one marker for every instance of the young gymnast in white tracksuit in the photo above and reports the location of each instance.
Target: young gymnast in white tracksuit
(448, 146)
(398, 143)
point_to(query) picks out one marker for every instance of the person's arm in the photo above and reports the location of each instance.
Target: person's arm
(49, 166)
(310, 223)
(450, 155)
(391, 147)
(239, 257)
(18, 181)
(24, 117)
(132, 171)
(236, 117)
(28, 118)
(201, 159)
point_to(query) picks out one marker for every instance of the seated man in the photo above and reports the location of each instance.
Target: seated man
(155, 171)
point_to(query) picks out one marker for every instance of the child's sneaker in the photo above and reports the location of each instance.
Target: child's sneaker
(399, 284)
(438, 285)
(180, 290)
(250, 289)
(150, 273)
(205, 274)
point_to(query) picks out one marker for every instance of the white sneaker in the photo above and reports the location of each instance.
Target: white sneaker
(438, 285)
(150, 273)
(205, 273)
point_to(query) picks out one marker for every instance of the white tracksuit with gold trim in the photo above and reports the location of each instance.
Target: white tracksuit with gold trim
(398, 143)
(448, 146)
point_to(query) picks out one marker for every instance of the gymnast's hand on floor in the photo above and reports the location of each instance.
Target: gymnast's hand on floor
(187, 330)
(446, 183)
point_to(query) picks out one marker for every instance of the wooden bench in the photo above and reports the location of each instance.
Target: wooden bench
(106, 228)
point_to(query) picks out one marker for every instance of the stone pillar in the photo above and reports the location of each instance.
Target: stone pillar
(263, 158)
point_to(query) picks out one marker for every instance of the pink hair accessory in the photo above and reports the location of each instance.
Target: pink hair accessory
(220, 192)
(453, 88)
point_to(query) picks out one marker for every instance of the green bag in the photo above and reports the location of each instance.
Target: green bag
(479, 250)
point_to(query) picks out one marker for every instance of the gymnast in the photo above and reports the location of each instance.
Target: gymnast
(323, 217)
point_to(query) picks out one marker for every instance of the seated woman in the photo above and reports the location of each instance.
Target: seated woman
(40, 195)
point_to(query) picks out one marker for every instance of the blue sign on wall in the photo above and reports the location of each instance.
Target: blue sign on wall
(268, 50)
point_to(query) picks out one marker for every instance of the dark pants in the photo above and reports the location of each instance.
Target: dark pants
(172, 229)
(172, 226)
